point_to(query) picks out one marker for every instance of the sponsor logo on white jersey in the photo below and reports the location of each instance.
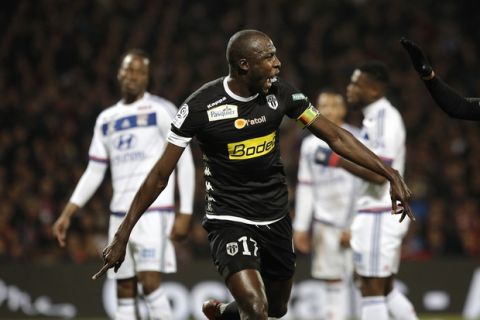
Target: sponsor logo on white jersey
(226, 111)
(241, 123)
(213, 104)
(180, 116)
(272, 101)
(124, 142)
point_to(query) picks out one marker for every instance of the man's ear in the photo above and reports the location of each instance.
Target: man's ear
(243, 65)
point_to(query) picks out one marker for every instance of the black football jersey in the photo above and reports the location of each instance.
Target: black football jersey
(239, 138)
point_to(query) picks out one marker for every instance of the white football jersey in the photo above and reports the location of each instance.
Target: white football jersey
(327, 191)
(131, 138)
(383, 132)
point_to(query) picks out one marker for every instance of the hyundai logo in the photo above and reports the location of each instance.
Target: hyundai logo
(125, 142)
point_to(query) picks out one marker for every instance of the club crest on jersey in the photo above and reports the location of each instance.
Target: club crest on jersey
(272, 101)
(232, 248)
(180, 116)
(225, 111)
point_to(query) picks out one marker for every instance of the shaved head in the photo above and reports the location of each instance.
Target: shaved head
(244, 44)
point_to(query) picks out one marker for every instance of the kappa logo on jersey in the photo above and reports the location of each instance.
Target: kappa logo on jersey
(213, 104)
(272, 101)
(251, 148)
(124, 142)
(225, 111)
(232, 248)
(241, 123)
(180, 116)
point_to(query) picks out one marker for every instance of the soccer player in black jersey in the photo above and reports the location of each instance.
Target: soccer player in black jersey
(235, 120)
(450, 101)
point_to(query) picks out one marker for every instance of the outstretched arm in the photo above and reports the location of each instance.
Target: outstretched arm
(152, 186)
(345, 144)
(446, 98)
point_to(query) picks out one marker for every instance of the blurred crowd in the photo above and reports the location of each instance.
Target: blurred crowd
(58, 71)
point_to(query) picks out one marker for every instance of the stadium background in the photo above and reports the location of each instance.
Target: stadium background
(58, 71)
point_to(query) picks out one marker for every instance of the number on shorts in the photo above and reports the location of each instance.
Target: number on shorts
(246, 250)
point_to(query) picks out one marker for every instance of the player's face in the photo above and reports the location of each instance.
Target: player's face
(360, 89)
(133, 75)
(332, 106)
(264, 65)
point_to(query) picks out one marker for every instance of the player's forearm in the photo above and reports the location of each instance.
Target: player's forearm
(361, 172)
(451, 102)
(351, 149)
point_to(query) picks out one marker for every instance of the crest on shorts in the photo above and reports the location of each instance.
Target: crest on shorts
(272, 101)
(232, 248)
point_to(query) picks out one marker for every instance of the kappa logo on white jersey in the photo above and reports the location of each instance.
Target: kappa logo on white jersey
(226, 111)
(180, 116)
(272, 101)
(232, 248)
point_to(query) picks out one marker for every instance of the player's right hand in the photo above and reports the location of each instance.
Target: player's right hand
(301, 240)
(419, 60)
(400, 195)
(60, 228)
(113, 256)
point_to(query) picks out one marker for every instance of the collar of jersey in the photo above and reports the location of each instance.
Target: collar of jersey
(233, 95)
(146, 96)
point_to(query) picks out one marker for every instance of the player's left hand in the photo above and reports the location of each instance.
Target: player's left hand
(400, 195)
(113, 256)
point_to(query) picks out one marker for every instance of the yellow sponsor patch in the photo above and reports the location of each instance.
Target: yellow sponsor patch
(251, 148)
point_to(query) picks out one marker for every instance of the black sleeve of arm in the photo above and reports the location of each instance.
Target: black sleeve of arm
(451, 102)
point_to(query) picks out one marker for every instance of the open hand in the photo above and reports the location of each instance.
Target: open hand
(419, 60)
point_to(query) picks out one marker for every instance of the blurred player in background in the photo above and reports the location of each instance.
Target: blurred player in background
(324, 203)
(376, 234)
(130, 136)
(236, 119)
(450, 101)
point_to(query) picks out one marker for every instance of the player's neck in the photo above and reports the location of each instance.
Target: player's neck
(129, 99)
(239, 87)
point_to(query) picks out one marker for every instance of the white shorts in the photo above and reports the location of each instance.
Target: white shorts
(330, 260)
(376, 243)
(149, 248)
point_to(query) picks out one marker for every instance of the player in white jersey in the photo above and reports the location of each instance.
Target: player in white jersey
(376, 234)
(130, 136)
(324, 203)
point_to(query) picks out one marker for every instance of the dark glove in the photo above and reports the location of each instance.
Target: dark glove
(419, 61)
(326, 157)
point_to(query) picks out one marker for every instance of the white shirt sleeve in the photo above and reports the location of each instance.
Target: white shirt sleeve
(88, 183)
(304, 192)
(186, 181)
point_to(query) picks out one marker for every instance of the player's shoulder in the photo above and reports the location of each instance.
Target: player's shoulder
(161, 104)
(204, 95)
(108, 112)
(311, 142)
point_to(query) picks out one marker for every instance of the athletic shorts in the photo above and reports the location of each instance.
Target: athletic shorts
(376, 243)
(237, 246)
(149, 247)
(330, 260)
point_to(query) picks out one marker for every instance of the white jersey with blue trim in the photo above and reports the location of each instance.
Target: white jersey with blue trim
(131, 138)
(383, 132)
(328, 192)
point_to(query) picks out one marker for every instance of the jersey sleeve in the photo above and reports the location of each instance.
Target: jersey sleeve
(298, 106)
(186, 181)
(390, 140)
(304, 192)
(98, 151)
